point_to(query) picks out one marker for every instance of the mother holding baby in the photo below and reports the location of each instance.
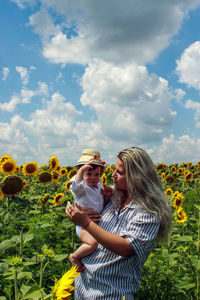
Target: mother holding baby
(137, 214)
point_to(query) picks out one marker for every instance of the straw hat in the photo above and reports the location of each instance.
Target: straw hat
(88, 155)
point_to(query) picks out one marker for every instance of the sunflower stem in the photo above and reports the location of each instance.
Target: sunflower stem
(198, 255)
(21, 243)
(15, 285)
(41, 273)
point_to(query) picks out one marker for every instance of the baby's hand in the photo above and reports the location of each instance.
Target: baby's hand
(107, 192)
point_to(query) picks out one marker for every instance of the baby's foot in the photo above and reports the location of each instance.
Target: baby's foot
(76, 262)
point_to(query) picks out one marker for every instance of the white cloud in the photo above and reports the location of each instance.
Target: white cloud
(23, 72)
(196, 107)
(10, 106)
(188, 66)
(130, 104)
(109, 30)
(5, 72)
(176, 150)
(24, 97)
(180, 94)
(23, 3)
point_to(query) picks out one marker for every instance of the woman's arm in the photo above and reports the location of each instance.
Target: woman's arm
(114, 243)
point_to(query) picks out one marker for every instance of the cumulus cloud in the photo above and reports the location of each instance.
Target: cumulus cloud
(5, 72)
(130, 103)
(23, 72)
(176, 150)
(196, 107)
(188, 66)
(48, 129)
(109, 30)
(24, 97)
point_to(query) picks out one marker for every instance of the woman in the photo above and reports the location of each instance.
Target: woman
(138, 213)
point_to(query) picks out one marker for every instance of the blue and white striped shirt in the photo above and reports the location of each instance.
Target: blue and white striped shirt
(110, 276)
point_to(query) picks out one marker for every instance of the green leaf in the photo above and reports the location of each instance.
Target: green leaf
(2, 298)
(27, 237)
(31, 292)
(184, 238)
(45, 225)
(6, 244)
(60, 257)
(3, 266)
(185, 286)
(197, 206)
(20, 275)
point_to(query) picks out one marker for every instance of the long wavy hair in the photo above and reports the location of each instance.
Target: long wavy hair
(145, 188)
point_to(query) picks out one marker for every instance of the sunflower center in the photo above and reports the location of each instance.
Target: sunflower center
(53, 163)
(8, 167)
(178, 202)
(30, 168)
(58, 198)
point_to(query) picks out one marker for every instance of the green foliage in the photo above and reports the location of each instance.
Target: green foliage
(36, 240)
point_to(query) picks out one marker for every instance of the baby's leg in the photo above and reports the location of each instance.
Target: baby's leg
(89, 245)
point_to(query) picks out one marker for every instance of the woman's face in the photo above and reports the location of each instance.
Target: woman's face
(119, 176)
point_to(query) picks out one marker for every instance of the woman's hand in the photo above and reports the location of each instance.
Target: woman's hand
(77, 216)
(92, 214)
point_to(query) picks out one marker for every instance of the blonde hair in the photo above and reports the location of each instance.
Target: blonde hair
(145, 187)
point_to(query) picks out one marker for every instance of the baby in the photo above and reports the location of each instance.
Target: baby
(88, 193)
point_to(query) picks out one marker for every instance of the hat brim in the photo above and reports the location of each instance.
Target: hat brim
(86, 159)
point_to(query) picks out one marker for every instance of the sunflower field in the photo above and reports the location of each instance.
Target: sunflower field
(36, 237)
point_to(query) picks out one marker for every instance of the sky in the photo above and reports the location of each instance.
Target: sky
(108, 75)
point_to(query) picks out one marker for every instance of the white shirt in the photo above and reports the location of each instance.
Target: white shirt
(86, 196)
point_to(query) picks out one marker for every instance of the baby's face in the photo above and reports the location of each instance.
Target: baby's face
(91, 177)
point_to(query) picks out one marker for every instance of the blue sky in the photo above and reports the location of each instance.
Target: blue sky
(99, 74)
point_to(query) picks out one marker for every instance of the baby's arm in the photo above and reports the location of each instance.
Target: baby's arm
(81, 171)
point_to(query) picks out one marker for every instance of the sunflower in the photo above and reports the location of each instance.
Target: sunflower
(45, 177)
(67, 185)
(57, 198)
(163, 175)
(168, 192)
(71, 173)
(104, 179)
(176, 194)
(30, 168)
(178, 201)
(55, 177)
(45, 199)
(186, 172)
(17, 169)
(181, 216)
(173, 169)
(108, 169)
(53, 163)
(170, 179)
(8, 166)
(58, 168)
(5, 157)
(189, 164)
(188, 177)
(63, 286)
(183, 165)
(180, 171)
(12, 185)
(25, 183)
(1, 194)
(63, 171)
(160, 167)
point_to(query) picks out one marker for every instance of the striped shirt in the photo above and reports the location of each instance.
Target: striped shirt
(110, 276)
